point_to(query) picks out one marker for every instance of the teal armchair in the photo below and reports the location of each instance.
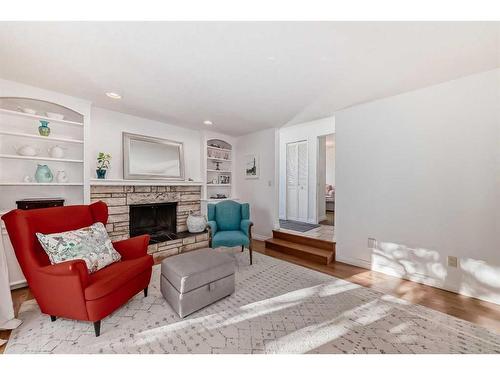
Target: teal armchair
(229, 225)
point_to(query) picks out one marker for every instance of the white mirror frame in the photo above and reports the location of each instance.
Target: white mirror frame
(127, 137)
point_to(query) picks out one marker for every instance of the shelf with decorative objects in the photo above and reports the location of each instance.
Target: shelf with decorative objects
(56, 118)
(41, 150)
(41, 183)
(40, 137)
(43, 158)
(218, 171)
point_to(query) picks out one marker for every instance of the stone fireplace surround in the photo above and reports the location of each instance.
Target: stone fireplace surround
(119, 198)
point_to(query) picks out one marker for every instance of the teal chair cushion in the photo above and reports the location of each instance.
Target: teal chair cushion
(230, 238)
(228, 215)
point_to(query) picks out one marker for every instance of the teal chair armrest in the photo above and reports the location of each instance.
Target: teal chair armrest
(245, 226)
(212, 226)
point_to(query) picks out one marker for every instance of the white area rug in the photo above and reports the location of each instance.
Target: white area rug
(278, 307)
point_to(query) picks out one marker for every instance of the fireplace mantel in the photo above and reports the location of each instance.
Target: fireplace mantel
(120, 182)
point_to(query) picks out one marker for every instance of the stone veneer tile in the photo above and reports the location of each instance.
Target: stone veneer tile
(118, 218)
(118, 210)
(152, 248)
(160, 255)
(110, 201)
(194, 246)
(202, 237)
(185, 188)
(190, 197)
(106, 189)
(189, 207)
(188, 240)
(142, 198)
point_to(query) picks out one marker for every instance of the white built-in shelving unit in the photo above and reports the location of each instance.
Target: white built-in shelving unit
(18, 129)
(219, 170)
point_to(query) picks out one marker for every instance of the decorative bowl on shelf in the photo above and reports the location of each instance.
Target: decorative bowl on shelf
(56, 151)
(27, 150)
(29, 111)
(61, 176)
(55, 116)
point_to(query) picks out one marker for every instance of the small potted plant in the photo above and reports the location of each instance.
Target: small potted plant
(102, 164)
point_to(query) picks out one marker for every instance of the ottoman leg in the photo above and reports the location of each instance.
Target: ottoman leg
(146, 292)
(242, 248)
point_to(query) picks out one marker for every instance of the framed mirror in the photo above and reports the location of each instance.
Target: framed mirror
(146, 158)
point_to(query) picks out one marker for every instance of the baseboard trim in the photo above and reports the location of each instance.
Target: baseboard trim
(18, 285)
(354, 262)
(260, 237)
(418, 278)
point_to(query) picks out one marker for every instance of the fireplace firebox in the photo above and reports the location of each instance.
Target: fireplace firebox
(158, 220)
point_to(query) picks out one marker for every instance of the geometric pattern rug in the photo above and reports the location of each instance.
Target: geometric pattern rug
(278, 307)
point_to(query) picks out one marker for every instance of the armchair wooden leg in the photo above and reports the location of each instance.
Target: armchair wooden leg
(250, 242)
(53, 318)
(242, 248)
(97, 328)
(146, 292)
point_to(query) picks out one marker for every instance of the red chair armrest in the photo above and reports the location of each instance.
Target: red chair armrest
(132, 248)
(69, 268)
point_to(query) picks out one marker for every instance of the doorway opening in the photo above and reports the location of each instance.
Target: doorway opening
(326, 180)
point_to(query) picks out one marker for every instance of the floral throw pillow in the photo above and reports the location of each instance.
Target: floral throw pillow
(91, 244)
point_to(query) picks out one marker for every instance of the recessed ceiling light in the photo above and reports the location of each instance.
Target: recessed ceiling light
(208, 122)
(113, 95)
(271, 58)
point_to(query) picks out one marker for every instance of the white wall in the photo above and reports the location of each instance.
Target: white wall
(106, 136)
(420, 172)
(308, 131)
(260, 193)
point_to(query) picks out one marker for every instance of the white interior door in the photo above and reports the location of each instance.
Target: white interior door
(296, 181)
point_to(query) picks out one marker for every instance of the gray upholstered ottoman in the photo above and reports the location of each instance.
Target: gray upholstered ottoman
(193, 280)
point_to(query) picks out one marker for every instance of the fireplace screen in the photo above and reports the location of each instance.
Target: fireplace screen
(157, 220)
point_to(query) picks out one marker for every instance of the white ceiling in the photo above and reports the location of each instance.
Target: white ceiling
(243, 76)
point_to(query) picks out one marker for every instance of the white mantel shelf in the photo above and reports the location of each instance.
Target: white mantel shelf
(116, 182)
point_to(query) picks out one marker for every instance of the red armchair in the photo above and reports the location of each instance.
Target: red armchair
(67, 289)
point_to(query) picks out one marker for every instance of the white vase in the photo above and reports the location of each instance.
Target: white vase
(56, 152)
(196, 223)
(61, 177)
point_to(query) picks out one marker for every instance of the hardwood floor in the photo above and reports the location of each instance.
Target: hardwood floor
(482, 313)
(18, 297)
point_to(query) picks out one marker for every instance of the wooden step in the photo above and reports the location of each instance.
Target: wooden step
(297, 238)
(302, 251)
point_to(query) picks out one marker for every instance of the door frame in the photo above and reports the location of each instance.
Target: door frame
(320, 190)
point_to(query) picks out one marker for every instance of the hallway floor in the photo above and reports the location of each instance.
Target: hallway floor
(323, 232)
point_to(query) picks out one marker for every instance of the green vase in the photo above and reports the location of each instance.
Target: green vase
(43, 174)
(44, 129)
